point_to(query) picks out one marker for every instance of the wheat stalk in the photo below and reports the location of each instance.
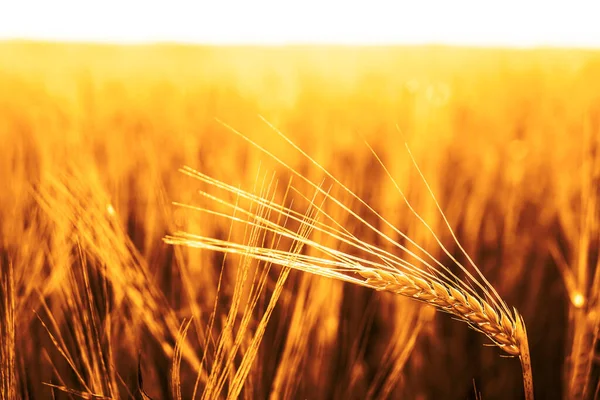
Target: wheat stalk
(471, 299)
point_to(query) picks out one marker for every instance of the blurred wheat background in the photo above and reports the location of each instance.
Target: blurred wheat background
(94, 302)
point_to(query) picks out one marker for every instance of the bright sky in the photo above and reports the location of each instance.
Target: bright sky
(469, 22)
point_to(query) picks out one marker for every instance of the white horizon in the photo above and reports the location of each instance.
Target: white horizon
(511, 23)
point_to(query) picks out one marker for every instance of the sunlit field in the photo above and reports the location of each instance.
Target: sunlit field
(112, 157)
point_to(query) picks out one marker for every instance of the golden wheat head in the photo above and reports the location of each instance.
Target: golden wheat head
(333, 251)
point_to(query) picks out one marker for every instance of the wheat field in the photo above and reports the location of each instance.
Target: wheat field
(111, 156)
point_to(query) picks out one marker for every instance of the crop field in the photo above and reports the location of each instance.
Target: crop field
(298, 222)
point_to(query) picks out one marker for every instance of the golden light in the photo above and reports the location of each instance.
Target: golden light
(465, 22)
(578, 300)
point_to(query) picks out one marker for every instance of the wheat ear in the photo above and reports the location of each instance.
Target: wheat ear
(464, 306)
(471, 298)
(509, 335)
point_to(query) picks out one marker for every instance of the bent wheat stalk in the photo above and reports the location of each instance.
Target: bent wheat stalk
(471, 299)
